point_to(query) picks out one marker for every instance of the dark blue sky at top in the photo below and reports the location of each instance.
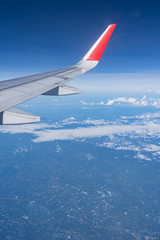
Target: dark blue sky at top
(38, 36)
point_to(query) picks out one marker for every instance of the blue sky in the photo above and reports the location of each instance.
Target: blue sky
(38, 36)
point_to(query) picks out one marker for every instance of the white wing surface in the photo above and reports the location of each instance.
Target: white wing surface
(16, 91)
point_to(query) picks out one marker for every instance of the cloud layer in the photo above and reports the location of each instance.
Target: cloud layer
(137, 133)
(142, 102)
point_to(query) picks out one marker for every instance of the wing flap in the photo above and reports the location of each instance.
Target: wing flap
(62, 91)
(15, 116)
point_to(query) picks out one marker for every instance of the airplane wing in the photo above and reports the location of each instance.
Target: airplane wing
(16, 91)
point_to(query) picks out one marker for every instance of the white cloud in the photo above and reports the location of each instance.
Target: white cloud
(90, 156)
(121, 100)
(21, 149)
(142, 157)
(69, 120)
(58, 148)
(99, 128)
(26, 128)
(134, 129)
(134, 135)
(152, 148)
(142, 102)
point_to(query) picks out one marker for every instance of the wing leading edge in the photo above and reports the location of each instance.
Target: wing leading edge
(16, 91)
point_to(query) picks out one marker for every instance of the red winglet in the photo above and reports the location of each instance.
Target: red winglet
(98, 48)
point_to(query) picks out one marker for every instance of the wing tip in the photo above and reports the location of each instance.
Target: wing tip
(113, 24)
(95, 53)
